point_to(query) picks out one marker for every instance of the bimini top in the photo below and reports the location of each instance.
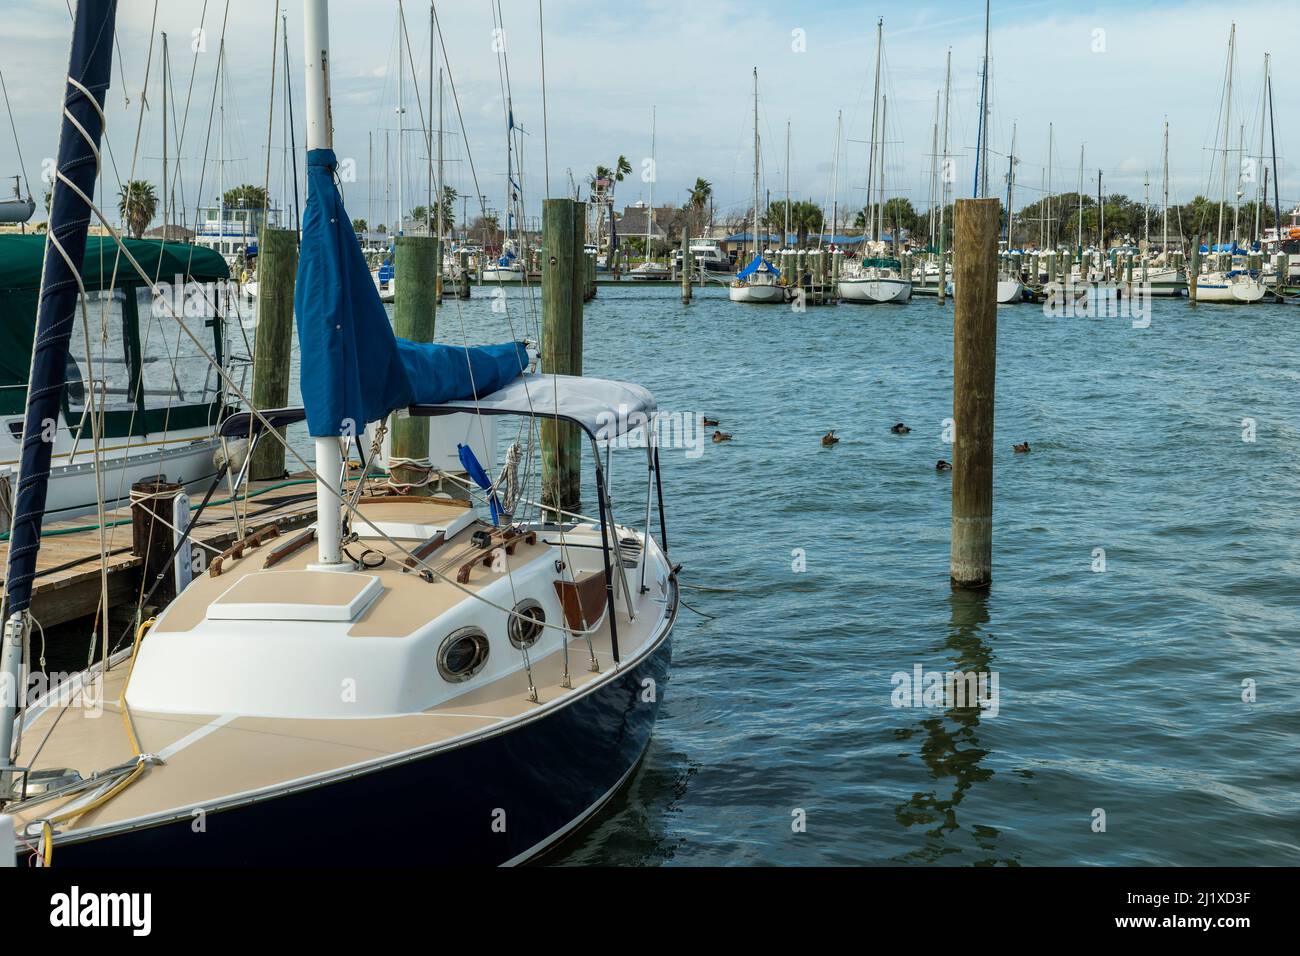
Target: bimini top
(602, 407)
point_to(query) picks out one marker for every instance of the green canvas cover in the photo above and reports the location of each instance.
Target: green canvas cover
(21, 259)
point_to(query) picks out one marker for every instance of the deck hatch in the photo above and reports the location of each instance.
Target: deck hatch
(296, 596)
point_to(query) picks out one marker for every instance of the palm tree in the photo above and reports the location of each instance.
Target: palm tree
(699, 198)
(621, 169)
(805, 218)
(136, 204)
(246, 196)
(447, 208)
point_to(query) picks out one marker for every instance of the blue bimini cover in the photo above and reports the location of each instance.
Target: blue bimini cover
(447, 373)
(351, 373)
(758, 263)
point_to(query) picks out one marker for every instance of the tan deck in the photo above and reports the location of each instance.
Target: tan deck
(211, 757)
(62, 594)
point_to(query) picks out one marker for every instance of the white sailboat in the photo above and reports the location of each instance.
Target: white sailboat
(1228, 286)
(876, 278)
(503, 669)
(650, 270)
(759, 281)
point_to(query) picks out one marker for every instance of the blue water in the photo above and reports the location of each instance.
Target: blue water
(1119, 690)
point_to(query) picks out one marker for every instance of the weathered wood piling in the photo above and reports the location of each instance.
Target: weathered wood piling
(561, 349)
(975, 329)
(415, 309)
(277, 267)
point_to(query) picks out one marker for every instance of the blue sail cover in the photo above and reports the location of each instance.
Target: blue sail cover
(758, 263)
(354, 369)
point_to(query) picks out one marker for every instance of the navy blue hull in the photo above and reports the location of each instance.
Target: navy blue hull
(493, 801)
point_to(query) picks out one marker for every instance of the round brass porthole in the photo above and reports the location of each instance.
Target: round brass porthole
(463, 654)
(526, 624)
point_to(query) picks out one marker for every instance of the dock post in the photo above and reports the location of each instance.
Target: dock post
(277, 265)
(560, 474)
(573, 435)
(415, 308)
(152, 502)
(1194, 272)
(462, 282)
(1282, 263)
(975, 330)
(686, 267)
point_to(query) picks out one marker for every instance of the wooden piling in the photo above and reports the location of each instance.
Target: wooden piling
(415, 308)
(277, 265)
(560, 472)
(462, 281)
(573, 435)
(975, 328)
(686, 267)
(1194, 272)
(151, 535)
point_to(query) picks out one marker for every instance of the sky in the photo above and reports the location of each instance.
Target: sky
(1105, 76)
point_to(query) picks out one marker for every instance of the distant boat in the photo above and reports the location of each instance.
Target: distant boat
(16, 209)
(876, 282)
(758, 281)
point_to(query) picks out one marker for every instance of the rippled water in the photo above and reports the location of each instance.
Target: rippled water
(1118, 690)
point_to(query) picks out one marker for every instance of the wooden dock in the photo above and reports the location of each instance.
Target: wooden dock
(67, 586)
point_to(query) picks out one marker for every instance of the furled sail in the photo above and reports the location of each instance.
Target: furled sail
(354, 369)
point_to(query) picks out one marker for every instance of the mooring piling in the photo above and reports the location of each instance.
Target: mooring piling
(561, 324)
(975, 328)
(277, 267)
(415, 308)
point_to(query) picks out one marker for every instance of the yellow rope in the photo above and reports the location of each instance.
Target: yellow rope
(47, 831)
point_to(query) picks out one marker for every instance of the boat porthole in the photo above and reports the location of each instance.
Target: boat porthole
(526, 624)
(462, 654)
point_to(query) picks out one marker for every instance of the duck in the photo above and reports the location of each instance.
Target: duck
(900, 429)
(829, 438)
(721, 436)
(1022, 448)
(710, 422)
(942, 465)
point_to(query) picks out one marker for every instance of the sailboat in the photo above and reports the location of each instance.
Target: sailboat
(649, 270)
(759, 281)
(17, 208)
(877, 278)
(414, 657)
(1231, 285)
(509, 265)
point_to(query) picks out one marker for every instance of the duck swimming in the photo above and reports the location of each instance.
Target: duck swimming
(900, 429)
(721, 436)
(829, 438)
(942, 465)
(710, 423)
(1023, 448)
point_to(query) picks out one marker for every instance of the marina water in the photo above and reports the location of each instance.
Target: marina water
(1146, 580)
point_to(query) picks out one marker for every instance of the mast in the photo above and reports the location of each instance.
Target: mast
(943, 178)
(785, 238)
(1227, 133)
(1146, 212)
(428, 138)
(1164, 175)
(1082, 275)
(442, 186)
(1051, 221)
(89, 71)
(165, 191)
(755, 237)
(1277, 199)
(934, 169)
(1261, 192)
(880, 194)
(1011, 183)
(650, 211)
(221, 149)
(320, 135)
(875, 119)
(981, 138)
(835, 174)
(401, 93)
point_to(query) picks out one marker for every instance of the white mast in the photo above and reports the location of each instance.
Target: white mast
(401, 92)
(1051, 148)
(1082, 275)
(221, 151)
(1227, 133)
(875, 121)
(755, 235)
(1261, 189)
(1164, 234)
(785, 238)
(650, 211)
(880, 194)
(442, 186)
(943, 177)
(320, 135)
(835, 174)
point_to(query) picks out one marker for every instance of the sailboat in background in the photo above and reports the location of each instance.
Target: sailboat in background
(1231, 285)
(650, 270)
(759, 281)
(876, 278)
